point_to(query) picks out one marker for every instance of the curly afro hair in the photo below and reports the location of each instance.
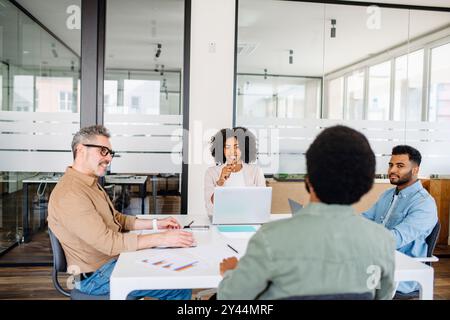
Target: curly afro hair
(340, 165)
(246, 140)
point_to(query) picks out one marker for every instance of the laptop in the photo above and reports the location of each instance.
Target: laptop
(295, 206)
(242, 205)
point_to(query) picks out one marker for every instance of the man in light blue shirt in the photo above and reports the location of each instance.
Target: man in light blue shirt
(408, 210)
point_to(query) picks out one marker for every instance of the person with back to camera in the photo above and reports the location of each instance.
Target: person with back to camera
(328, 249)
(234, 151)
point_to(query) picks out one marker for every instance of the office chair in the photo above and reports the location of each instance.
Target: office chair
(334, 296)
(431, 241)
(60, 265)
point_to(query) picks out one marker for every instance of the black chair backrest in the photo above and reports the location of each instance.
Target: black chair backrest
(59, 258)
(431, 240)
(336, 296)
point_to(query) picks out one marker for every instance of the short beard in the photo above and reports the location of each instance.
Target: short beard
(106, 171)
(404, 180)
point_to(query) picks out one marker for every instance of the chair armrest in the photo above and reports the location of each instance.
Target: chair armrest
(427, 259)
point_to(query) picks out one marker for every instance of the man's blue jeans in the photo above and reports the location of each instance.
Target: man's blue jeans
(98, 284)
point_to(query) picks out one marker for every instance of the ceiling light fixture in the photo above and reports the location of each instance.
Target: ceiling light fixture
(55, 54)
(158, 50)
(333, 28)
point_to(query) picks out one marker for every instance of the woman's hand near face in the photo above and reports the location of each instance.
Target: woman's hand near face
(225, 174)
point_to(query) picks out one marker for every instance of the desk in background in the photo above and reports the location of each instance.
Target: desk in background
(42, 180)
(141, 181)
(129, 274)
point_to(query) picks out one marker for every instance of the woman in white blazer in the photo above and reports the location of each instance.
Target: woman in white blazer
(234, 151)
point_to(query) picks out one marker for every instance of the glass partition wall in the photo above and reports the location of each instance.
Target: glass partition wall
(40, 106)
(383, 71)
(39, 112)
(142, 101)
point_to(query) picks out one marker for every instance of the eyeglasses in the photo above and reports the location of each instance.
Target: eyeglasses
(104, 151)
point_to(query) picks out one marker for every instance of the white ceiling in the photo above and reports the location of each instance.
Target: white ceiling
(133, 30)
(134, 27)
(276, 27)
(52, 14)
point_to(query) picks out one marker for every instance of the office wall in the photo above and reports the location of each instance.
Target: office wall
(211, 84)
(211, 87)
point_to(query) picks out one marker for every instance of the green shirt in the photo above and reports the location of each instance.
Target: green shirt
(324, 249)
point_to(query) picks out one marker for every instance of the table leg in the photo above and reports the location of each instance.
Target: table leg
(426, 287)
(154, 186)
(143, 192)
(25, 215)
(123, 197)
(119, 293)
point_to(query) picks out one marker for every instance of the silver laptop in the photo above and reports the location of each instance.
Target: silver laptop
(242, 205)
(295, 206)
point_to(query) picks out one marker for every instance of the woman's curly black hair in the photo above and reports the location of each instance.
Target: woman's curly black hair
(246, 140)
(340, 165)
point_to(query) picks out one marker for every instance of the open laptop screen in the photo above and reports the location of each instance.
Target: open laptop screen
(242, 205)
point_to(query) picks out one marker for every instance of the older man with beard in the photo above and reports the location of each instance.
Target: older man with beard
(407, 210)
(91, 231)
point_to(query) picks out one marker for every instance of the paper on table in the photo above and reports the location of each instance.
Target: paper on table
(170, 262)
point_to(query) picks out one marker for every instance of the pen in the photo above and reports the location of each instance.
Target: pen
(199, 227)
(185, 227)
(232, 248)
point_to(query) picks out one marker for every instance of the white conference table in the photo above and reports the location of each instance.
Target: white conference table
(130, 273)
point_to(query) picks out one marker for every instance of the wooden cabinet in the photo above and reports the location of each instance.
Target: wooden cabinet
(438, 188)
(283, 190)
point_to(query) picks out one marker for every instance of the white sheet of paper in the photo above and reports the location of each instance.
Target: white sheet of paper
(172, 262)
